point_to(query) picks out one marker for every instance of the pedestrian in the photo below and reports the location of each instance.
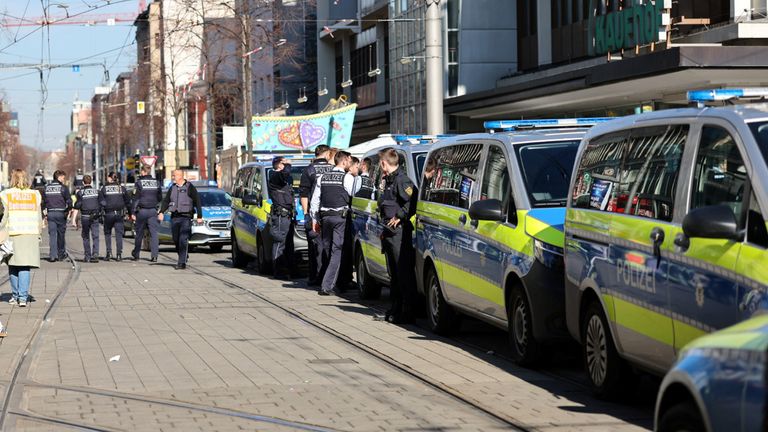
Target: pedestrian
(344, 280)
(115, 201)
(367, 187)
(329, 207)
(57, 203)
(184, 203)
(319, 166)
(397, 203)
(146, 198)
(23, 222)
(280, 186)
(88, 204)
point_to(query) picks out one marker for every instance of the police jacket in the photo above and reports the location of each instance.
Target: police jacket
(56, 197)
(147, 195)
(309, 177)
(399, 196)
(182, 200)
(366, 187)
(114, 197)
(280, 187)
(88, 200)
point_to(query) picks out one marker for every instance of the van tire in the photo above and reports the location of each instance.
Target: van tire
(368, 286)
(526, 350)
(606, 370)
(216, 248)
(239, 259)
(683, 417)
(263, 266)
(442, 318)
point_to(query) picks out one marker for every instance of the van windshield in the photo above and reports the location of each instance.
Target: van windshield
(546, 169)
(760, 130)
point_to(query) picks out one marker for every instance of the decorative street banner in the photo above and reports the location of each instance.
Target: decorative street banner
(333, 128)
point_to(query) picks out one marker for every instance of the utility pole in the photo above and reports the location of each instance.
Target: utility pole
(245, 23)
(434, 63)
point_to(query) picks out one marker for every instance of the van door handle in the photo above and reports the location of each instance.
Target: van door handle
(463, 219)
(474, 223)
(657, 237)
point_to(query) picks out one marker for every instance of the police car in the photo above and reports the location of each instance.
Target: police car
(666, 235)
(250, 213)
(718, 383)
(370, 264)
(489, 229)
(214, 232)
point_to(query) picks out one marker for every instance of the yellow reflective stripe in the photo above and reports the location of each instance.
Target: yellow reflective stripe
(365, 205)
(373, 253)
(746, 334)
(544, 232)
(685, 333)
(641, 320)
(475, 285)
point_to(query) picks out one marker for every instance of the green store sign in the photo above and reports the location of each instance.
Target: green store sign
(627, 28)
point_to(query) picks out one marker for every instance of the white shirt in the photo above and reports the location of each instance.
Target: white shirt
(350, 185)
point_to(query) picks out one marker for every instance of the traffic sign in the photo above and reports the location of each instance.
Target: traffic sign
(148, 160)
(140, 107)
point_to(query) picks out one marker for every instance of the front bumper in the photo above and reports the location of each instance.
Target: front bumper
(204, 235)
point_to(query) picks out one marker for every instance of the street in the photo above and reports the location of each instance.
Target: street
(140, 346)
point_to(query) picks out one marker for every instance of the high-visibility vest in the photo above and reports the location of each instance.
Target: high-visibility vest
(23, 209)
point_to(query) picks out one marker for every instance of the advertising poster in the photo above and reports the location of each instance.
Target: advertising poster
(466, 188)
(601, 194)
(304, 133)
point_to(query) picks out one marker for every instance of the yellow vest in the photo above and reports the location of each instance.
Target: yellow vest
(22, 207)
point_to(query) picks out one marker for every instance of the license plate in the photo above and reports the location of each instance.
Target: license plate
(224, 234)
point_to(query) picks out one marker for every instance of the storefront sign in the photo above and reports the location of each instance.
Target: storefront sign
(627, 28)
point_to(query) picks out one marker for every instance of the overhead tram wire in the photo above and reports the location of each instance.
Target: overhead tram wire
(23, 15)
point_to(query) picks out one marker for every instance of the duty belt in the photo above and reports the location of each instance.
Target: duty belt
(280, 211)
(57, 209)
(342, 213)
(114, 211)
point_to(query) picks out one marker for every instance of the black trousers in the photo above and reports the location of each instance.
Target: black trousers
(57, 228)
(333, 242)
(181, 229)
(90, 225)
(314, 252)
(146, 219)
(281, 230)
(347, 256)
(114, 221)
(401, 263)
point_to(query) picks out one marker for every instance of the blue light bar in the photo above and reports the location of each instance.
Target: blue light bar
(726, 94)
(510, 125)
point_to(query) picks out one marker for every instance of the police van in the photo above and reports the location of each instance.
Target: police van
(251, 204)
(489, 239)
(666, 234)
(370, 264)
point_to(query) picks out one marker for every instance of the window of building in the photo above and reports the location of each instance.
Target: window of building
(454, 12)
(456, 175)
(496, 183)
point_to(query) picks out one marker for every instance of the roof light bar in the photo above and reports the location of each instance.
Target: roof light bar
(511, 125)
(701, 96)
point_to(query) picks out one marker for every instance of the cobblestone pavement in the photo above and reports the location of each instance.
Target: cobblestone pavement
(217, 348)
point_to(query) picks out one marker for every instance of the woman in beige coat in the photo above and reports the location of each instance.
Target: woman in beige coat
(23, 222)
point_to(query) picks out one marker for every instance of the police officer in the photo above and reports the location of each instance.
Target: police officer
(114, 200)
(87, 202)
(57, 202)
(280, 188)
(147, 196)
(183, 202)
(366, 182)
(397, 204)
(344, 280)
(38, 182)
(319, 166)
(329, 207)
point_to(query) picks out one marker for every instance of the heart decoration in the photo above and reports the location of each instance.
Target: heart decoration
(290, 136)
(311, 135)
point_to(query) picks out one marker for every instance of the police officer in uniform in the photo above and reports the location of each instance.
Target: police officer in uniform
(87, 202)
(344, 280)
(366, 182)
(147, 196)
(318, 167)
(280, 188)
(114, 200)
(397, 204)
(38, 182)
(183, 202)
(57, 202)
(329, 207)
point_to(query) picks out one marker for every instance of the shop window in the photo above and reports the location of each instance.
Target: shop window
(456, 175)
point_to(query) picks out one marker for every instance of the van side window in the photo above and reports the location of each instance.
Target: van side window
(757, 230)
(496, 184)
(719, 176)
(255, 184)
(455, 177)
(375, 175)
(241, 184)
(649, 172)
(598, 172)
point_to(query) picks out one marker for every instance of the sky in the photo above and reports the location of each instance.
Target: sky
(46, 129)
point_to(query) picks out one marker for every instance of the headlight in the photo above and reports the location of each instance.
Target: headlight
(547, 254)
(195, 223)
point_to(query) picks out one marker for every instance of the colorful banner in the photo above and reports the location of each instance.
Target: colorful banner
(333, 128)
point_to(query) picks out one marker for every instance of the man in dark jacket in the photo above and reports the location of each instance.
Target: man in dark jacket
(183, 202)
(280, 188)
(88, 204)
(57, 202)
(114, 200)
(318, 167)
(146, 196)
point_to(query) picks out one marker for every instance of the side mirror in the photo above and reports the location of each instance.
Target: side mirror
(252, 199)
(713, 222)
(487, 210)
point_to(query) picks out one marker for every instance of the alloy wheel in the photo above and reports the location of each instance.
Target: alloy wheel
(596, 350)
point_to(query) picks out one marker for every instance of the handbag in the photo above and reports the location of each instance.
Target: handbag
(6, 244)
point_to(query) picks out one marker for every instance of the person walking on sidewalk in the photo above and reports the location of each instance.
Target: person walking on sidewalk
(114, 200)
(22, 220)
(88, 204)
(184, 203)
(280, 188)
(57, 203)
(147, 196)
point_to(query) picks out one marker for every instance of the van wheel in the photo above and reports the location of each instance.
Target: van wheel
(443, 319)
(526, 349)
(216, 248)
(262, 264)
(369, 288)
(683, 417)
(605, 369)
(239, 259)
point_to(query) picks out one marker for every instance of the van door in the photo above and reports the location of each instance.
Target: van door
(241, 217)
(752, 259)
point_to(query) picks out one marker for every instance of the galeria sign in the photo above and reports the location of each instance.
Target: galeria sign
(627, 28)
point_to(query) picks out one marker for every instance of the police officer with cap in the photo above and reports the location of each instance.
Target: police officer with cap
(147, 196)
(280, 186)
(183, 202)
(88, 204)
(57, 202)
(397, 203)
(329, 207)
(318, 167)
(114, 200)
